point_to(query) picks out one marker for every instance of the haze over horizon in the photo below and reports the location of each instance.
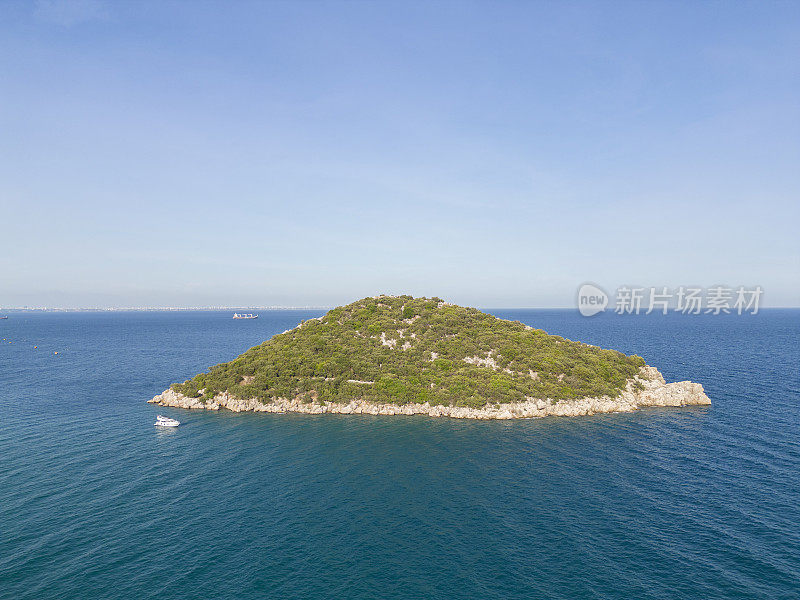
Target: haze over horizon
(308, 154)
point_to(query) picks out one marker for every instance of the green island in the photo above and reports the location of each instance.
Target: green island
(402, 350)
(399, 355)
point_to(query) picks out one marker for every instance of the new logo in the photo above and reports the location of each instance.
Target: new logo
(591, 300)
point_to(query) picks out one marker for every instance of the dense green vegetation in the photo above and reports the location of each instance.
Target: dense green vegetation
(401, 349)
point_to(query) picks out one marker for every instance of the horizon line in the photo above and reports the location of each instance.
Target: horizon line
(276, 307)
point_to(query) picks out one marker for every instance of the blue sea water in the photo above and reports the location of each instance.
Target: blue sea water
(95, 502)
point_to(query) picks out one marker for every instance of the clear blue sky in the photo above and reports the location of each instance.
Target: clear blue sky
(310, 153)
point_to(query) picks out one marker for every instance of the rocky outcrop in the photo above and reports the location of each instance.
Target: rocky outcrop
(652, 391)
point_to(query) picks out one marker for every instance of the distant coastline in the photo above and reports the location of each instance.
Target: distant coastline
(39, 309)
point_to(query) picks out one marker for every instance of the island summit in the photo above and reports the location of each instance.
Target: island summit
(403, 355)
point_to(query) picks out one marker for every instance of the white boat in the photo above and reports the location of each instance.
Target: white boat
(244, 316)
(162, 421)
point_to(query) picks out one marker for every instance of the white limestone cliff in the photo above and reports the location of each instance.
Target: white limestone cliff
(654, 391)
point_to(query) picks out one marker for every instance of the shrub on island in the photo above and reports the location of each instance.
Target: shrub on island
(400, 349)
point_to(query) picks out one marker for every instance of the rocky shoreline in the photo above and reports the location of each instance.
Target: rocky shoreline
(654, 392)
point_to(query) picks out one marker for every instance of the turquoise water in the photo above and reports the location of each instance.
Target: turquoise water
(95, 502)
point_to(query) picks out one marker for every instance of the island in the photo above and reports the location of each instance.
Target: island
(400, 355)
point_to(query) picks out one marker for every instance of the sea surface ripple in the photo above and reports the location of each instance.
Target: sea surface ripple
(96, 502)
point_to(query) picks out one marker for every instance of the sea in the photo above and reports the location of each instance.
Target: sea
(96, 502)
